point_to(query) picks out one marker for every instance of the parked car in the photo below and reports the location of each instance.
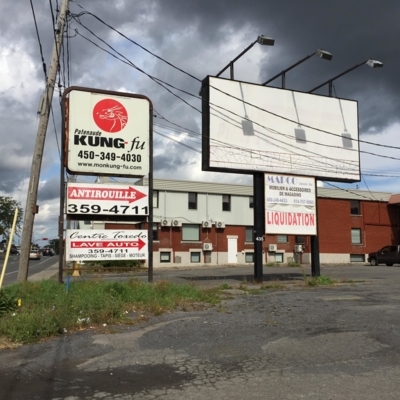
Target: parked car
(388, 255)
(34, 255)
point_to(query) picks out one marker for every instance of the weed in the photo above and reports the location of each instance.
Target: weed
(293, 264)
(225, 286)
(320, 280)
(7, 303)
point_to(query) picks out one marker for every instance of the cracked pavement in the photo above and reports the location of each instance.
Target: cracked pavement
(337, 342)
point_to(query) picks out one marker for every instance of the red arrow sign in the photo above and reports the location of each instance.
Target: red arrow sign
(112, 244)
(109, 193)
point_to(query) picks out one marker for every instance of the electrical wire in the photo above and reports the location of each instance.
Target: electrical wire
(279, 133)
(40, 43)
(85, 12)
(156, 80)
(129, 63)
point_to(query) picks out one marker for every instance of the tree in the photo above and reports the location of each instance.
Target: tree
(7, 210)
(54, 244)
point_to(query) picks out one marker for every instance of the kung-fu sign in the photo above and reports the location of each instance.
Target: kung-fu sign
(107, 134)
(107, 199)
(100, 245)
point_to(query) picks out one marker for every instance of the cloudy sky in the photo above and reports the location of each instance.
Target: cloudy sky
(198, 37)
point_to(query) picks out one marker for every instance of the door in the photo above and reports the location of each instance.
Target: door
(232, 250)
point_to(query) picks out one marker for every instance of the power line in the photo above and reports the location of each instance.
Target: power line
(264, 110)
(156, 80)
(132, 41)
(40, 44)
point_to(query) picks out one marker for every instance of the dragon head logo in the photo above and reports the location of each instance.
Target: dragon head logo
(110, 115)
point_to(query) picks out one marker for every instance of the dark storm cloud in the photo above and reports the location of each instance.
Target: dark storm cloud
(199, 37)
(351, 31)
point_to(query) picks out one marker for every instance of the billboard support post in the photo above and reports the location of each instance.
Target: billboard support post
(259, 220)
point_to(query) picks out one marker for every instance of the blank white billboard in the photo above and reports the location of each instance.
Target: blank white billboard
(248, 128)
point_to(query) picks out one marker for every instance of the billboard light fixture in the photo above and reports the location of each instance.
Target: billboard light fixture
(374, 63)
(325, 55)
(265, 40)
(370, 62)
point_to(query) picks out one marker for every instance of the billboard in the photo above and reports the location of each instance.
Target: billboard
(290, 205)
(107, 199)
(251, 128)
(103, 245)
(107, 134)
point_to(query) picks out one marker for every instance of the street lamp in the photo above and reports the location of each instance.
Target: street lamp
(325, 55)
(371, 63)
(263, 40)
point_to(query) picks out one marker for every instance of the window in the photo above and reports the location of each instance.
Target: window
(281, 238)
(195, 257)
(357, 257)
(251, 202)
(155, 198)
(249, 234)
(226, 202)
(355, 236)
(355, 208)
(249, 257)
(300, 240)
(279, 257)
(165, 256)
(155, 232)
(192, 201)
(191, 232)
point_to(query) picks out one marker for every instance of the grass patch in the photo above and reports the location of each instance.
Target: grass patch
(47, 309)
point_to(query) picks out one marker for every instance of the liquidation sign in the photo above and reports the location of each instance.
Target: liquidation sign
(101, 245)
(290, 205)
(107, 199)
(108, 134)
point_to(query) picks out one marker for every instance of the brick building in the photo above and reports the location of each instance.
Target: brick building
(212, 223)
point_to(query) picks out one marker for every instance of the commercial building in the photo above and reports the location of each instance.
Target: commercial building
(202, 223)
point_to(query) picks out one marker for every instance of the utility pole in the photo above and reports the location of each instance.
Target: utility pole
(31, 207)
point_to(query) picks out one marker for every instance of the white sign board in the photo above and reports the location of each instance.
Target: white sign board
(248, 127)
(290, 205)
(107, 199)
(102, 245)
(108, 134)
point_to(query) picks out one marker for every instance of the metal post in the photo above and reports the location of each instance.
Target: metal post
(259, 224)
(150, 219)
(314, 241)
(31, 207)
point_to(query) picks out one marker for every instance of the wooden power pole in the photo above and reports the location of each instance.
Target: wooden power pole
(31, 206)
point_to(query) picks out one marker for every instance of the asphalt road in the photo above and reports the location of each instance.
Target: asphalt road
(35, 266)
(300, 342)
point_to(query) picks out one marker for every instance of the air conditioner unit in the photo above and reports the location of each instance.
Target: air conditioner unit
(298, 248)
(272, 247)
(207, 246)
(206, 224)
(176, 222)
(165, 222)
(220, 224)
